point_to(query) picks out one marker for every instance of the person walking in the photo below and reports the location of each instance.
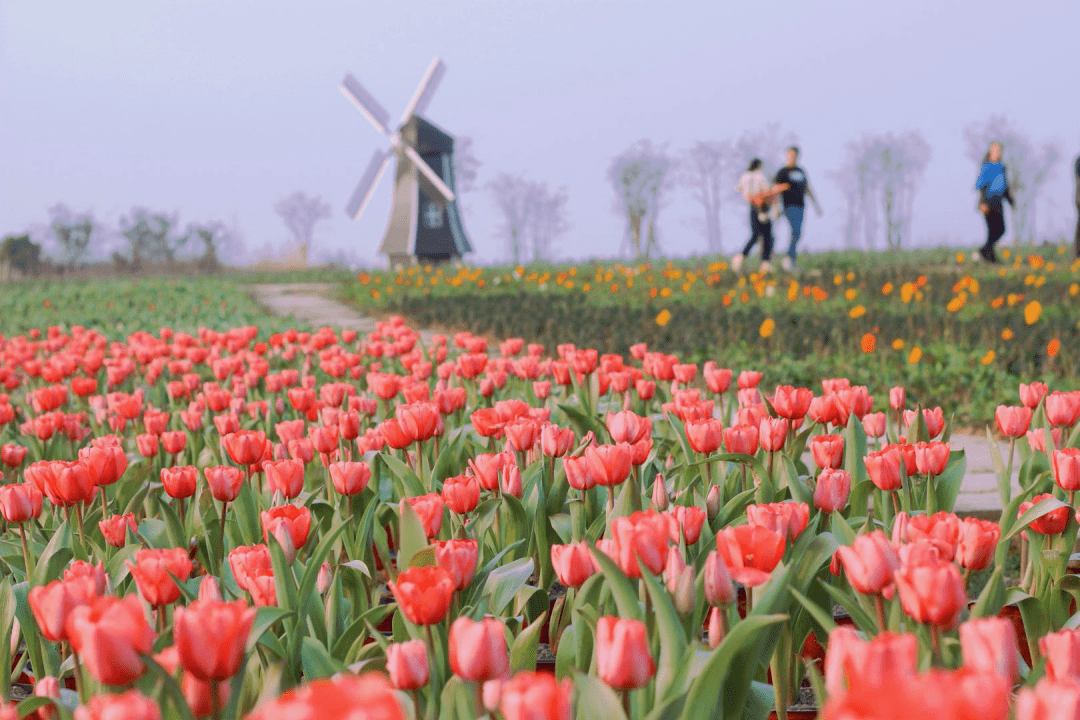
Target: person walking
(1077, 179)
(791, 180)
(760, 195)
(993, 187)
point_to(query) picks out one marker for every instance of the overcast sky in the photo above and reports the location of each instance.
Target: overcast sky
(216, 108)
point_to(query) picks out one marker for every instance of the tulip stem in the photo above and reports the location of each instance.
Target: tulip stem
(895, 502)
(221, 535)
(626, 702)
(215, 699)
(104, 503)
(879, 605)
(25, 551)
(610, 499)
(935, 642)
(1008, 479)
(80, 686)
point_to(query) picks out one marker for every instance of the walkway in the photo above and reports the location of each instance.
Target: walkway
(312, 304)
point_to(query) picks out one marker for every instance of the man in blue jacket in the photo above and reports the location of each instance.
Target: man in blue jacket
(993, 187)
(1077, 239)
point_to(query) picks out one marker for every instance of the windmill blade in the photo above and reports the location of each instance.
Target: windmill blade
(420, 99)
(373, 111)
(366, 187)
(430, 175)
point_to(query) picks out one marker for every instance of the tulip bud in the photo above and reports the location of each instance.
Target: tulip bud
(324, 578)
(718, 587)
(716, 628)
(407, 664)
(492, 694)
(208, 589)
(712, 502)
(659, 494)
(683, 595)
(675, 565)
(284, 537)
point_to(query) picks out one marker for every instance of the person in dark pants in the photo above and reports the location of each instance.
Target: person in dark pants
(1077, 178)
(993, 187)
(761, 196)
(791, 180)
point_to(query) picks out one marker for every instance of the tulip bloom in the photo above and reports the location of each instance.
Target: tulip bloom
(852, 662)
(12, 455)
(750, 553)
(931, 458)
(429, 508)
(874, 424)
(225, 482)
(792, 403)
(292, 520)
(622, 653)
(942, 529)
(688, 522)
(368, 696)
(68, 483)
(870, 562)
(883, 467)
(573, 564)
(52, 604)
(556, 441)
(461, 494)
(977, 542)
(609, 465)
(152, 570)
(705, 436)
(285, 477)
(245, 447)
(458, 557)
(1050, 699)
(19, 503)
(350, 478)
(247, 561)
(578, 474)
(1013, 422)
(180, 481)
(628, 427)
(423, 594)
(478, 649)
(990, 645)
(1066, 466)
(536, 696)
(832, 490)
(174, 442)
(828, 450)
(486, 467)
(211, 637)
(772, 433)
(131, 705)
(1051, 523)
(718, 380)
(114, 528)
(787, 518)
(110, 635)
(407, 664)
(642, 536)
(932, 592)
(741, 439)
(1062, 408)
(1031, 395)
(1062, 653)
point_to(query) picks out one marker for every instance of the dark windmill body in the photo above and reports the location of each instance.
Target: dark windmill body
(425, 224)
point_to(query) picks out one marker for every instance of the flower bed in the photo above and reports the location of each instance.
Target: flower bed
(242, 524)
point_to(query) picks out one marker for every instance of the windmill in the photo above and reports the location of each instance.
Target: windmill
(424, 224)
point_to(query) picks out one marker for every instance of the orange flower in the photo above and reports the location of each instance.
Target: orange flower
(869, 343)
(1053, 347)
(767, 328)
(1032, 311)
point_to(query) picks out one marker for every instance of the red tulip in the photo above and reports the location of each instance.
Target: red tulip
(110, 635)
(51, 604)
(942, 529)
(688, 522)
(741, 439)
(292, 521)
(247, 561)
(429, 508)
(556, 441)
(870, 562)
(423, 594)
(487, 467)
(154, 571)
(510, 480)
(114, 528)
(1031, 395)
(573, 564)
(718, 587)
(536, 696)
(68, 483)
(642, 536)
(578, 473)
(932, 592)
(174, 442)
(705, 436)
(131, 705)
(718, 380)
(350, 478)
(458, 557)
(147, 444)
(179, 481)
(787, 518)
(1066, 466)
(19, 503)
(1062, 408)
(832, 490)
(1050, 699)
(478, 649)
(1062, 653)
(12, 455)
(828, 450)
(324, 438)
(407, 664)
(461, 494)
(772, 433)
(791, 402)
(623, 660)
(245, 447)
(931, 458)
(897, 399)
(750, 552)
(990, 646)
(883, 467)
(628, 427)
(609, 465)
(851, 662)
(225, 482)
(977, 542)
(345, 696)
(211, 637)
(1013, 421)
(1051, 523)
(285, 477)
(874, 424)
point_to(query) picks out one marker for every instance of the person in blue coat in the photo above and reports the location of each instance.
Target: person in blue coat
(1077, 179)
(993, 187)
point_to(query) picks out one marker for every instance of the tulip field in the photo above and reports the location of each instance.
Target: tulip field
(208, 512)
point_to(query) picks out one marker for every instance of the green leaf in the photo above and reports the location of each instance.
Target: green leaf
(316, 662)
(622, 590)
(1043, 507)
(411, 536)
(760, 701)
(265, 618)
(409, 484)
(821, 616)
(672, 636)
(595, 699)
(583, 421)
(47, 562)
(992, 597)
(947, 484)
(503, 583)
(523, 652)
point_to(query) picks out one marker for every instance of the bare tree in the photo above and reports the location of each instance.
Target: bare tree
(768, 144)
(216, 237)
(640, 177)
(301, 214)
(705, 170)
(150, 238)
(513, 199)
(72, 231)
(881, 172)
(547, 218)
(1028, 167)
(465, 165)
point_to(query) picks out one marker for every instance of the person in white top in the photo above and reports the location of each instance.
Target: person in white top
(761, 195)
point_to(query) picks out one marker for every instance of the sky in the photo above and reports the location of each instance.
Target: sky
(215, 109)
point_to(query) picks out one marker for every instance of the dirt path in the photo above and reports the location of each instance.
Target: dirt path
(313, 304)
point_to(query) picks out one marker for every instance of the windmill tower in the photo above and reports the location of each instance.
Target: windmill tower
(425, 224)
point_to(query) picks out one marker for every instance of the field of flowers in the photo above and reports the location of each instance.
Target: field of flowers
(207, 513)
(949, 332)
